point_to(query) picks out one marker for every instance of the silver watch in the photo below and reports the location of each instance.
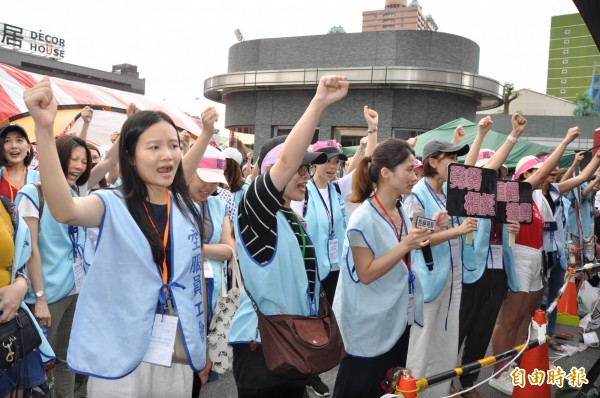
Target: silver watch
(40, 294)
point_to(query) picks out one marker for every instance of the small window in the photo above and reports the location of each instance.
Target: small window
(562, 90)
(567, 41)
(565, 61)
(564, 71)
(565, 51)
(563, 81)
(567, 31)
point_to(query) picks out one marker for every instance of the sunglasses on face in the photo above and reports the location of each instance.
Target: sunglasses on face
(306, 168)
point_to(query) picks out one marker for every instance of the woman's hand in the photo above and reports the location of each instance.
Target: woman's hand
(87, 114)
(41, 105)
(204, 373)
(468, 225)
(459, 135)
(572, 134)
(11, 297)
(42, 313)
(441, 220)
(371, 117)
(209, 117)
(331, 89)
(513, 227)
(519, 123)
(417, 238)
(484, 125)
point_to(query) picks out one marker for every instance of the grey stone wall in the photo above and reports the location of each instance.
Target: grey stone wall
(400, 48)
(405, 109)
(398, 108)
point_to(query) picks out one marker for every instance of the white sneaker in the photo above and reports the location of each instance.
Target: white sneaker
(503, 383)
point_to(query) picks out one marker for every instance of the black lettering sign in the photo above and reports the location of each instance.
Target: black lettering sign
(12, 35)
(471, 191)
(514, 202)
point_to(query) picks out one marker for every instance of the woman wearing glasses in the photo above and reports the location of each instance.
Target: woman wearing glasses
(277, 259)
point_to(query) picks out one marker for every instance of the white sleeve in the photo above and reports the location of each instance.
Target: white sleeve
(410, 205)
(27, 208)
(345, 184)
(298, 207)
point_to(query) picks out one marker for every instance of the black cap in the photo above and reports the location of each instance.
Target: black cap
(4, 130)
(309, 157)
(444, 146)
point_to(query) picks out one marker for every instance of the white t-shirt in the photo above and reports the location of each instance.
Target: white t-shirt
(345, 185)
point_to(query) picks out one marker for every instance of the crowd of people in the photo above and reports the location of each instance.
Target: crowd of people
(117, 255)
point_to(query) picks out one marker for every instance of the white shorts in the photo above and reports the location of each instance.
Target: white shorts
(528, 265)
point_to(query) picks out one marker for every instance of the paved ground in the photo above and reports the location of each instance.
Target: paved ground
(225, 386)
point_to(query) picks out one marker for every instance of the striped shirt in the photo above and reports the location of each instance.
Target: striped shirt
(257, 218)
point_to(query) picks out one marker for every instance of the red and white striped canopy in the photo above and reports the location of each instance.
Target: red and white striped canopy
(72, 97)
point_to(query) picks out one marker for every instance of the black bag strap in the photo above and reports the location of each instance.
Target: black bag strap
(337, 187)
(38, 186)
(305, 203)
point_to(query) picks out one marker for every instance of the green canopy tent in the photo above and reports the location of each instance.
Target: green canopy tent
(493, 140)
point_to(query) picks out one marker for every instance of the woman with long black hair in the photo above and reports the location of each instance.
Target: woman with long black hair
(142, 271)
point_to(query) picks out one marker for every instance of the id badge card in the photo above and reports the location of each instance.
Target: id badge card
(162, 340)
(332, 244)
(496, 260)
(410, 318)
(208, 269)
(78, 272)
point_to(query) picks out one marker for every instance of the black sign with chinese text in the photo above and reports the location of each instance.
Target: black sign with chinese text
(514, 202)
(471, 191)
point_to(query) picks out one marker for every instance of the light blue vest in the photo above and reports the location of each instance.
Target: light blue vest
(433, 282)
(553, 240)
(116, 307)
(216, 212)
(237, 197)
(586, 214)
(22, 253)
(278, 286)
(318, 224)
(373, 317)
(477, 255)
(57, 247)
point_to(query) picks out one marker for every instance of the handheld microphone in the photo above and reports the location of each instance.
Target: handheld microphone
(422, 222)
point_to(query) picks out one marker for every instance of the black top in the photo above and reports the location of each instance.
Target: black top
(159, 217)
(257, 219)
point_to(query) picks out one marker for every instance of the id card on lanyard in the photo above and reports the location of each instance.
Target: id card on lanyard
(162, 340)
(78, 269)
(496, 257)
(164, 328)
(332, 241)
(410, 311)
